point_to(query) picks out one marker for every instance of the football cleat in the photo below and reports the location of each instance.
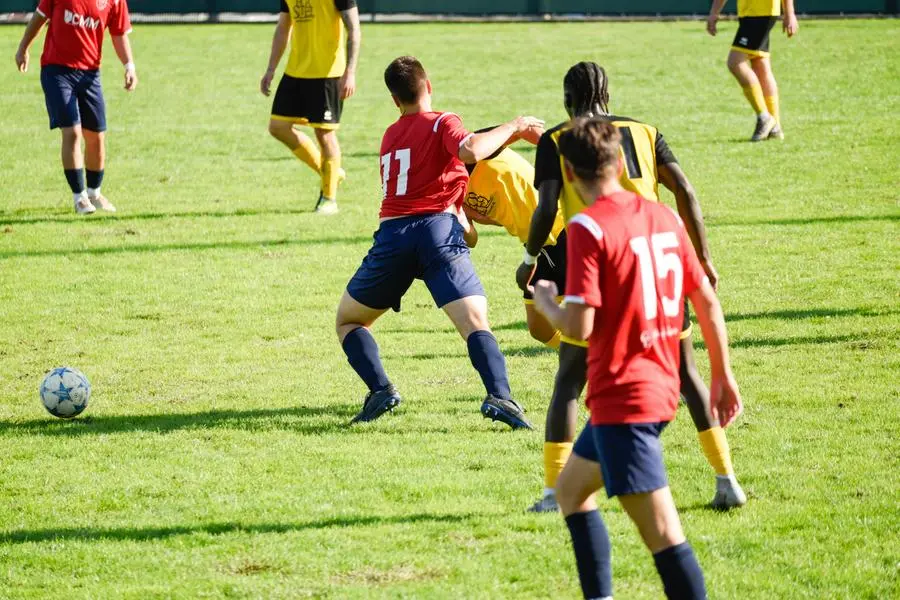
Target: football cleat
(547, 504)
(777, 133)
(765, 123)
(506, 411)
(728, 493)
(102, 202)
(326, 206)
(377, 403)
(83, 206)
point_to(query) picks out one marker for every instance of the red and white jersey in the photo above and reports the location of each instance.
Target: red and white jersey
(632, 261)
(420, 168)
(75, 30)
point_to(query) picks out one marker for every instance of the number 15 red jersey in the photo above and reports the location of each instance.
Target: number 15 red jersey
(420, 168)
(632, 261)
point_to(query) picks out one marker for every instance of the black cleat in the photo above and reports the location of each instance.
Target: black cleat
(377, 403)
(506, 411)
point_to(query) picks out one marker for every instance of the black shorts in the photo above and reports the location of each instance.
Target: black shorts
(551, 265)
(314, 102)
(752, 36)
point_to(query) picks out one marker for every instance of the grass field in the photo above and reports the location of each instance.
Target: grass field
(214, 460)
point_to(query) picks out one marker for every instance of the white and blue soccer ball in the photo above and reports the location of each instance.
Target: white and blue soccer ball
(65, 392)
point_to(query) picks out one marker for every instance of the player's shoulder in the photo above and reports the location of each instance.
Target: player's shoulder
(620, 121)
(590, 220)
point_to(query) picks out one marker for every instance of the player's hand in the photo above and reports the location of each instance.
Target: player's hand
(532, 135)
(725, 402)
(131, 79)
(523, 124)
(790, 25)
(347, 84)
(265, 84)
(545, 293)
(711, 273)
(712, 23)
(524, 274)
(22, 59)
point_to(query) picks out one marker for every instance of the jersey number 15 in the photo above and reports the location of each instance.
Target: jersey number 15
(665, 261)
(402, 157)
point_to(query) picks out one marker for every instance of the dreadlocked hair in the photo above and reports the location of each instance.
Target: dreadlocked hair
(585, 87)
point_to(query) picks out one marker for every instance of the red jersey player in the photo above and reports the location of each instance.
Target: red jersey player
(630, 265)
(70, 76)
(422, 236)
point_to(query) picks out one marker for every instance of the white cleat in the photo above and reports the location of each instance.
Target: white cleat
(728, 493)
(547, 504)
(100, 201)
(83, 206)
(326, 206)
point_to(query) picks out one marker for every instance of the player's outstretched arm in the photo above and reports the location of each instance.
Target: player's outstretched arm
(354, 39)
(575, 321)
(724, 397)
(481, 145)
(122, 46)
(789, 21)
(714, 12)
(690, 212)
(541, 225)
(31, 30)
(279, 43)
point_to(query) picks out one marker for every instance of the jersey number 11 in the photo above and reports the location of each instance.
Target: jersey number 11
(402, 157)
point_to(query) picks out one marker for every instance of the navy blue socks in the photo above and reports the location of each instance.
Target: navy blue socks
(362, 354)
(489, 362)
(75, 177)
(94, 179)
(592, 554)
(680, 573)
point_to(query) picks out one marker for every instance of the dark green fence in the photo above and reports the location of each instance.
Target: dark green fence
(498, 7)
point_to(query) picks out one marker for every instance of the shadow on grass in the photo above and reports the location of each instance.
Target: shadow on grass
(147, 216)
(514, 326)
(148, 248)
(837, 219)
(811, 313)
(863, 339)
(307, 420)
(143, 534)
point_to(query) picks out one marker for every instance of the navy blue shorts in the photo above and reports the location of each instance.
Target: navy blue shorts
(630, 456)
(73, 96)
(426, 247)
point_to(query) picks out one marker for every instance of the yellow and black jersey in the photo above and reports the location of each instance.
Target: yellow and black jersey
(758, 8)
(501, 190)
(643, 150)
(317, 38)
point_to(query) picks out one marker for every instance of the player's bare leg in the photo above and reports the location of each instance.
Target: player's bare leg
(712, 437)
(577, 486)
(539, 328)
(469, 316)
(562, 420)
(94, 164)
(352, 326)
(762, 66)
(73, 165)
(739, 65)
(332, 173)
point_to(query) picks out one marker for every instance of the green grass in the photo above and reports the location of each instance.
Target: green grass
(214, 461)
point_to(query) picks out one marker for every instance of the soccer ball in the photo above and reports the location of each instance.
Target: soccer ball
(65, 392)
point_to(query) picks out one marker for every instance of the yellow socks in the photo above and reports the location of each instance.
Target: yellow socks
(331, 174)
(309, 153)
(715, 447)
(554, 341)
(555, 456)
(772, 105)
(755, 96)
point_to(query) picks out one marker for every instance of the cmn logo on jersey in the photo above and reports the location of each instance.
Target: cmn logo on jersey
(83, 21)
(303, 10)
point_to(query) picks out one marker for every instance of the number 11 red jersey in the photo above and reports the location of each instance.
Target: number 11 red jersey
(420, 168)
(632, 261)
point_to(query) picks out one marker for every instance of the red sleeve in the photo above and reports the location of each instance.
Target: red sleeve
(584, 247)
(694, 275)
(45, 7)
(119, 19)
(450, 127)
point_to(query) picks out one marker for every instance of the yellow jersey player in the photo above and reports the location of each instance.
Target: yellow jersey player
(648, 161)
(749, 60)
(501, 193)
(320, 75)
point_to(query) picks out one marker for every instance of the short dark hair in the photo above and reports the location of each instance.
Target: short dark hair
(591, 146)
(405, 78)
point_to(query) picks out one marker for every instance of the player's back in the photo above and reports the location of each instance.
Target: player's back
(646, 265)
(317, 40)
(420, 168)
